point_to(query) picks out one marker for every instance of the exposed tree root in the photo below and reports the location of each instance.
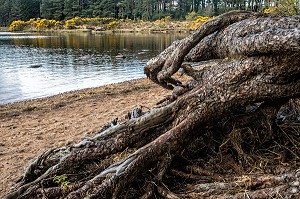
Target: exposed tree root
(252, 186)
(237, 114)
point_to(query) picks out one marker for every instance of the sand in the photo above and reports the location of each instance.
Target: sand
(29, 128)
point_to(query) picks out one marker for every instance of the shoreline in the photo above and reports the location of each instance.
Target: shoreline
(52, 101)
(31, 127)
(163, 25)
(82, 30)
(25, 101)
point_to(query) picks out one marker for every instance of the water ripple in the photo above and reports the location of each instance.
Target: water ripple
(34, 65)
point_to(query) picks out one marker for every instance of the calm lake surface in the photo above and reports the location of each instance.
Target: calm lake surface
(34, 65)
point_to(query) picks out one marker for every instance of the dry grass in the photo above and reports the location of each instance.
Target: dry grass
(242, 158)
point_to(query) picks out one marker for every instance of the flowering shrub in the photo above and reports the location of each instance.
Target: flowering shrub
(163, 20)
(70, 24)
(112, 25)
(191, 16)
(202, 19)
(199, 20)
(17, 25)
(34, 23)
(106, 23)
(271, 10)
(41, 24)
(285, 7)
(78, 21)
(166, 18)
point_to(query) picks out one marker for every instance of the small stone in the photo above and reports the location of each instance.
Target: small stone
(296, 183)
(294, 190)
(297, 174)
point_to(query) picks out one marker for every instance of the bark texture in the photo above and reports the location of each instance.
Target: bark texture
(220, 124)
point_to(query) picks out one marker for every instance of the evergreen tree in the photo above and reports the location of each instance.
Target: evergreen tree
(137, 9)
(58, 10)
(5, 12)
(134, 9)
(68, 9)
(25, 9)
(103, 8)
(46, 9)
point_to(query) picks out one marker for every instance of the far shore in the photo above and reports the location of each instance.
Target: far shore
(4, 29)
(78, 24)
(29, 128)
(71, 96)
(82, 30)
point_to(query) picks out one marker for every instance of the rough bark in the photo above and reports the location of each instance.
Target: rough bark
(228, 109)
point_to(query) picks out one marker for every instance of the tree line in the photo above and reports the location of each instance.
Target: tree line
(11, 10)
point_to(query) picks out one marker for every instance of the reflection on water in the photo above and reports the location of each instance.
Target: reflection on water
(35, 65)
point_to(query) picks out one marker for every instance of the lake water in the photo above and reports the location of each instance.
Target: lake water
(34, 65)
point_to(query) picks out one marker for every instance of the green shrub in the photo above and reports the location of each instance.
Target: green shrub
(191, 16)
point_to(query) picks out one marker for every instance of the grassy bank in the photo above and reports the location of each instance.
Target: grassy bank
(3, 29)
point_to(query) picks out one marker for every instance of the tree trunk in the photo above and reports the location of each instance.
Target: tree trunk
(219, 124)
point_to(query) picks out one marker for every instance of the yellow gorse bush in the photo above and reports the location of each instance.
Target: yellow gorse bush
(112, 25)
(166, 18)
(70, 24)
(202, 19)
(17, 25)
(42, 24)
(199, 20)
(78, 21)
(284, 7)
(34, 23)
(105, 23)
(45, 24)
(271, 10)
(163, 20)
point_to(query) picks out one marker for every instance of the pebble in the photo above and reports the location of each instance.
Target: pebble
(296, 183)
(294, 190)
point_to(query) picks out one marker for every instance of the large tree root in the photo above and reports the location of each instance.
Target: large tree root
(251, 186)
(227, 113)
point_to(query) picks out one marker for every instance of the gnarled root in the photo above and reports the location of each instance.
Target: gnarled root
(229, 110)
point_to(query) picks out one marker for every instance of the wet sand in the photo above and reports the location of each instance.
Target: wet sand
(29, 128)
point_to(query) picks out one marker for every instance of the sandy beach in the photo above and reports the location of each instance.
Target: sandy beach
(29, 128)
